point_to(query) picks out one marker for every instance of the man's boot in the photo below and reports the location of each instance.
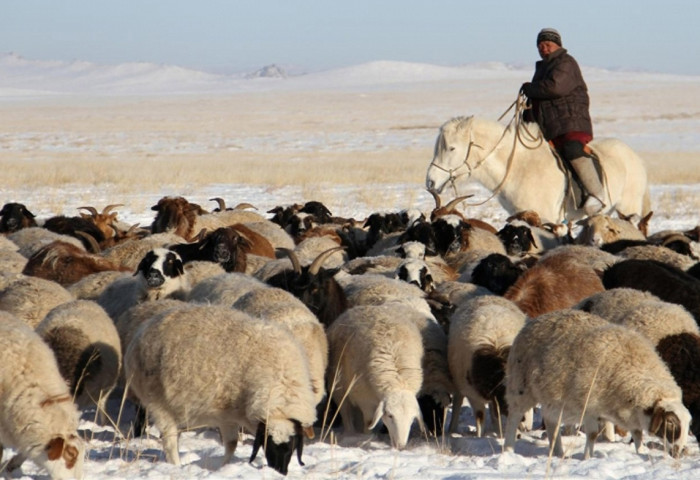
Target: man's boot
(588, 175)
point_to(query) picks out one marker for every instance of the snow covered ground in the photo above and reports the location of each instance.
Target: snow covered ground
(651, 111)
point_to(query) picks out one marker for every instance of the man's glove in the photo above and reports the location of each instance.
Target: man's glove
(525, 88)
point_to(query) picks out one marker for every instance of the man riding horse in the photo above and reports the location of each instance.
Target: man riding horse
(559, 103)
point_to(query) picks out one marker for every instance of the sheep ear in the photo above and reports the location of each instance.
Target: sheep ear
(54, 449)
(258, 442)
(299, 438)
(421, 423)
(377, 415)
(657, 419)
(532, 238)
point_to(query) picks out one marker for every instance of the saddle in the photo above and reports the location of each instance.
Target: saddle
(572, 185)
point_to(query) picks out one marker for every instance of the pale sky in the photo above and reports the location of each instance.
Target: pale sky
(311, 35)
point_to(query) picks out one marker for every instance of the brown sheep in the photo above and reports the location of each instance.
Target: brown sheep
(66, 264)
(553, 283)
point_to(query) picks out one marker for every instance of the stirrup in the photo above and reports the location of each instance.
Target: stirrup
(592, 206)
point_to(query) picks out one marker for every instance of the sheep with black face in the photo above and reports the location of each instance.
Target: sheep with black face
(257, 378)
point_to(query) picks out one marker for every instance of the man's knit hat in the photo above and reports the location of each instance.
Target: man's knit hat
(549, 34)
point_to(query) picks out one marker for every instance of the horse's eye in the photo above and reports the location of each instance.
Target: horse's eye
(452, 149)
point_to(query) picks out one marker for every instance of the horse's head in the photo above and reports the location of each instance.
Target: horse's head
(451, 158)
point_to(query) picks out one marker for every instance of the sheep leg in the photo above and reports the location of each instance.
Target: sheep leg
(637, 437)
(512, 422)
(347, 416)
(457, 400)
(496, 417)
(102, 417)
(15, 462)
(591, 425)
(608, 430)
(169, 436)
(229, 438)
(553, 433)
(526, 420)
(479, 411)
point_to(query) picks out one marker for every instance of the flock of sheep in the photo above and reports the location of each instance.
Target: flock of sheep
(295, 322)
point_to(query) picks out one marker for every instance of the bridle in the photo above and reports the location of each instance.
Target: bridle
(521, 135)
(453, 176)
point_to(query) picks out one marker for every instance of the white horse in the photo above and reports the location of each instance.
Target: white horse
(518, 166)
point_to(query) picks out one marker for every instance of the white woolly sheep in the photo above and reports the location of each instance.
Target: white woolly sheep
(437, 388)
(160, 275)
(311, 248)
(198, 270)
(275, 234)
(598, 259)
(375, 367)
(256, 377)
(7, 278)
(283, 308)
(87, 348)
(641, 311)
(92, 286)
(31, 240)
(381, 264)
(578, 366)
(481, 333)
(129, 322)
(599, 230)
(130, 253)
(37, 415)
(657, 252)
(224, 289)
(456, 293)
(12, 261)
(7, 245)
(372, 289)
(31, 298)
(668, 326)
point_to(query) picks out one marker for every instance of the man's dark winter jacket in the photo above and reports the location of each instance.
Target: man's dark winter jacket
(559, 96)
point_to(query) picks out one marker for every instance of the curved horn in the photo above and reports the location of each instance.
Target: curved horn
(108, 208)
(451, 206)
(318, 261)
(94, 246)
(244, 205)
(220, 201)
(296, 266)
(92, 210)
(436, 197)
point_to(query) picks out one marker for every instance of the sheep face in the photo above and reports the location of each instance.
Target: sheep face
(225, 245)
(496, 272)
(416, 272)
(450, 231)
(279, 454)
(517, 239)
(63, 457)
(397, 411)
(158, 268)
(15, 216)
(422, 232)
(670, 420)
(318, 210)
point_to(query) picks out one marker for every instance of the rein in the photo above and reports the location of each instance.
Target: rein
(520, 135)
